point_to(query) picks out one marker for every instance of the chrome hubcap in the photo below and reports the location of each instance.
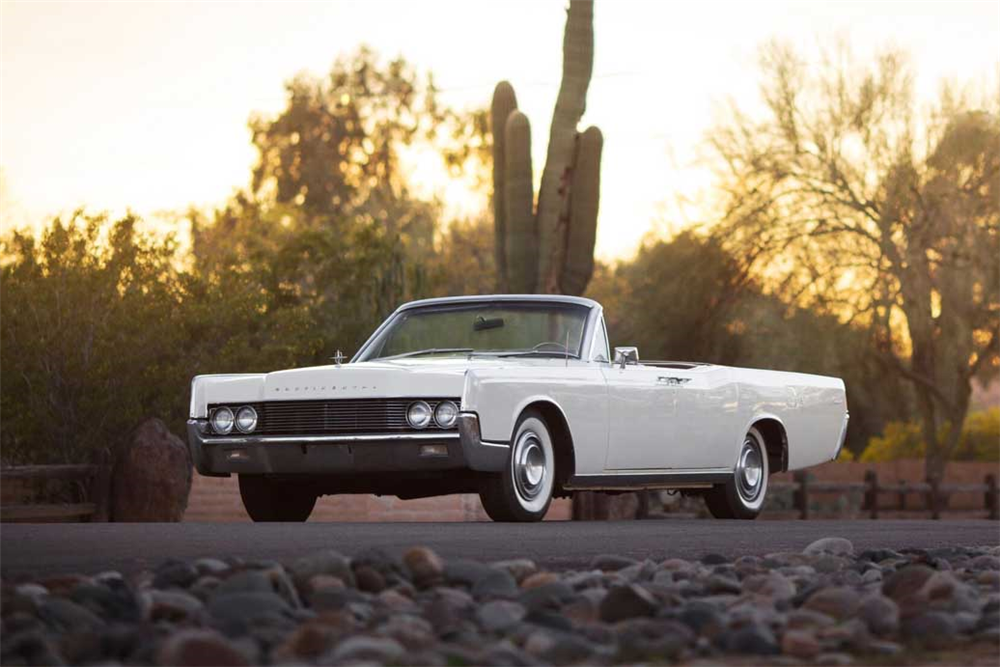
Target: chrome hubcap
(750, 470)
(529, 465)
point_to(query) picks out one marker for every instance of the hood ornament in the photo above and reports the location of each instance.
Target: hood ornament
(337, 358)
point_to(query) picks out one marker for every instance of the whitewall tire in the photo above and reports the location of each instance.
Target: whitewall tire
(523, 491)
(742, 496)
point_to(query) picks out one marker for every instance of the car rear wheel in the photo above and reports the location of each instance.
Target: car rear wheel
(266, 499)
(523, 491)
(742, 497)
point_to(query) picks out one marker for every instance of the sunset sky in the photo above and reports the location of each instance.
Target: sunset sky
(145, 104)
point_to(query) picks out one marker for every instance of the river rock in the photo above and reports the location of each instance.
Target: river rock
(198, 648)
(906, 582)
(235, 611)
(838, 546)
(369, 579)
(425, 567)
(519, 568)
(539, 579)
(934, 630)
(500, 615)
(173, 606)
(772, 585)
(66, 615)
(366, 649)
(495, 584)
(324, 562)
(800, 643)
(611, 562)
(627, 601)
(880, 614)
(752, 639)
(175, 574)
(838, 602)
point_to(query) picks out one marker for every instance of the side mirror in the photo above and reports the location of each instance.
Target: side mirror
(626, 355)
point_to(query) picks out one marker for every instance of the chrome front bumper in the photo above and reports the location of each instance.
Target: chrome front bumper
(396, 452)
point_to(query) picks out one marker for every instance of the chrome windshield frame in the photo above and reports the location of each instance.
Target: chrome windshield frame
(591, 321)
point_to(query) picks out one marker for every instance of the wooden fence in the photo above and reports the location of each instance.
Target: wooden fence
(92, 482)
(934, 494)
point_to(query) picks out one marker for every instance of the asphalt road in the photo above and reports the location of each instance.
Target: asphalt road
(44, 549)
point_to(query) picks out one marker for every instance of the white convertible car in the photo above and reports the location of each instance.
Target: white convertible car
(518, 399)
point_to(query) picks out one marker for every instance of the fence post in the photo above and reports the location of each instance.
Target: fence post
(801, 495)
(902, 495)
(871, 493)
(992, 497)
(99, 490)
(934, 497)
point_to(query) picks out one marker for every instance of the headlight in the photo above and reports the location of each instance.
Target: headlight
(246, 419)
(446, 414)
(419, 414)
(222, 420)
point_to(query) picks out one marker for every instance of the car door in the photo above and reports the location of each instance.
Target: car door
(705, 432)
(641, 405)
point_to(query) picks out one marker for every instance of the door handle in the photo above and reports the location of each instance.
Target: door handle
(671, 380)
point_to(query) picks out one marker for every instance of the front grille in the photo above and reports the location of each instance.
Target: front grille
(344, 416)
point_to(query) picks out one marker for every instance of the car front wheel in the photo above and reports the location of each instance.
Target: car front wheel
(266, 499)
(742, 496)
(523, 491)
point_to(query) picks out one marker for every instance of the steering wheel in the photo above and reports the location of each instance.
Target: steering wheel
(552, 343)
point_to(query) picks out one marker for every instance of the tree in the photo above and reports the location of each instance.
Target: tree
(843, 198)
(336, 150)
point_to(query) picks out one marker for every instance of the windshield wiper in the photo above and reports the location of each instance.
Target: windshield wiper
(432, 350)
(538, 353)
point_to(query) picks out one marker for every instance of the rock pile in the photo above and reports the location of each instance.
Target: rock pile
(825, 605)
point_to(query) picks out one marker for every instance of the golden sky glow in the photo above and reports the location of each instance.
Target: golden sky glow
(144, 104)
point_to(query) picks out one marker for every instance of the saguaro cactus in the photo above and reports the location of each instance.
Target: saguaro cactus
(549, 248)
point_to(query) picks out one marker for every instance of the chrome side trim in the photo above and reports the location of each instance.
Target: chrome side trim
(638, 472)
(675, 479)
(267, 439)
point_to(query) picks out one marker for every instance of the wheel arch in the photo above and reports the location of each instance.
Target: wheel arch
(775, 441)
(562, 437)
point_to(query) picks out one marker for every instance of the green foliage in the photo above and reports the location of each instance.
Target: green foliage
(549, 248)
(100, 329)
(980, 440)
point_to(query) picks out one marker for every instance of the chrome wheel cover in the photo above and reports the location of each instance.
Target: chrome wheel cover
(750, 470)
(532, 468)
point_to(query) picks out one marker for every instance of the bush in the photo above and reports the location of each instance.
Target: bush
(980, 440)
(100, 329)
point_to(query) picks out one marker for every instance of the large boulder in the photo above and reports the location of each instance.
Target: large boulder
(152, 476)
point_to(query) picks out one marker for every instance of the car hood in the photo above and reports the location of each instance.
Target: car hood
(369, 379)
(396, 378)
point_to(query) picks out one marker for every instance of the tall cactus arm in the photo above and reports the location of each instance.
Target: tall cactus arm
(585, 195)
(578, 64)
(522, 233)
(504, 102)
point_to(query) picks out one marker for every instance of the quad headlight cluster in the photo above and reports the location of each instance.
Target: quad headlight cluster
(244, 421)
(420, 414)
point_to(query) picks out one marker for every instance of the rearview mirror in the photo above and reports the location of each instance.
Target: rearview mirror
(626, 355)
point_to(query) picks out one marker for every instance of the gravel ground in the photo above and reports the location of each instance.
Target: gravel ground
(825, 605)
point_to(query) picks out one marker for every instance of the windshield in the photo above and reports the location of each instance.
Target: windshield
(469, 329)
